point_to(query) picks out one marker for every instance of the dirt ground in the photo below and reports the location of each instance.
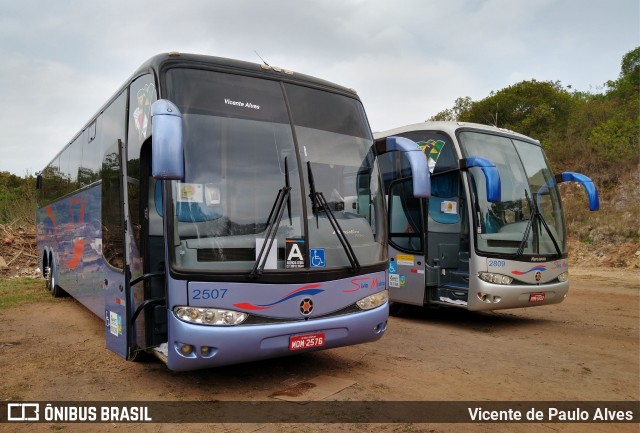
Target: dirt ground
(584, 349)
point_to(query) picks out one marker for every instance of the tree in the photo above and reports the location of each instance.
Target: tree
(460, 106)
(630, 68)
(530, 107)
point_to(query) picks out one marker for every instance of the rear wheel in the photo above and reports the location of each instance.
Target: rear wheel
(50, 279)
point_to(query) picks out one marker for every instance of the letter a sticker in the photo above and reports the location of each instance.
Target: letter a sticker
(295, 251)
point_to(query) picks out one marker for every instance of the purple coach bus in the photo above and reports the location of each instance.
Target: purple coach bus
(216, 211)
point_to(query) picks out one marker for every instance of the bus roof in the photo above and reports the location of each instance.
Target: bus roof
(450, 127)
(160, 62)
(174, 59)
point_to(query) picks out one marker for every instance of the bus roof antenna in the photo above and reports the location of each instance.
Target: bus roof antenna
(261, 58)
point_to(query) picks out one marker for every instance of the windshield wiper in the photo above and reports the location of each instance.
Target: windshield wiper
(536, 216)
(546, 227)
(287, 185)
(318, 202)
(523, 243)
(273, 222)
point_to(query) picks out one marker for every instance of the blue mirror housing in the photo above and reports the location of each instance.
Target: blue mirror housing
(417, 160)
(587, 183)
(167, 148)
(491, 175)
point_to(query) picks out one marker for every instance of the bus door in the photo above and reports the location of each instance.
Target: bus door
(431, 266)
(116, 252)
(447, 270)
(406, 272)
(148, 316)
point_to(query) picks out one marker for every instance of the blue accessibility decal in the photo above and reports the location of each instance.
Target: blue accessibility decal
(392, 268)
(317, 257)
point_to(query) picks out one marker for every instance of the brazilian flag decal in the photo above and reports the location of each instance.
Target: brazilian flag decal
(432, 149)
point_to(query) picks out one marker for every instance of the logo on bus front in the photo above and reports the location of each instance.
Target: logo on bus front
(306, 306)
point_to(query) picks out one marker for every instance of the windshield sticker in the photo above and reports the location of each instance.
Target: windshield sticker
(449, 207)
(272, 255)
(211, 194)
(241, 104)
(432, 149)
(141, 115)
(190, 192)
(317, 258)
(295, 252)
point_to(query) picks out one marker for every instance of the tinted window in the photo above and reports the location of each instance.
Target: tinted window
(113, 122)
(226, 95)
(327, 111)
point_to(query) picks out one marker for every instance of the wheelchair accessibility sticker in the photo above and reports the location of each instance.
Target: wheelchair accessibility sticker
(393, 268)
(317, 258)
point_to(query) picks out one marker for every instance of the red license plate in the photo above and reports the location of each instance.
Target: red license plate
(306, 341)
(536, 297)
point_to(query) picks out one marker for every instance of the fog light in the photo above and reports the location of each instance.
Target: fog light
(186, 349)
(563, 277)
(380, 327)
(205, 350)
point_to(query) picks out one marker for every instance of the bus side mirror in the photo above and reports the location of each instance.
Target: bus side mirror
(491, 175)
(167, 148)
(586, 182)
(417, 160)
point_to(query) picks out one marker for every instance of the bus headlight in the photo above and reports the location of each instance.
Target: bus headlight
(373, 301)
(210, 316)
(490, 277)
(563, 277)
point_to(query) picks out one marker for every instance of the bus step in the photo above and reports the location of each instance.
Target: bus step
(452, 295)
(459, 277)
(161, 352)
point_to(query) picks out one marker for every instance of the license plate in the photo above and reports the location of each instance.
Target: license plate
(306, 341)
(536, 297)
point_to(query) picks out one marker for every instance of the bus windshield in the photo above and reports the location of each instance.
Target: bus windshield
(244, 141)
(528, 220)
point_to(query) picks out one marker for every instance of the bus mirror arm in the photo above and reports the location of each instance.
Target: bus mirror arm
(491, 175)
(417, 160)
(167, 148)
(586, 182)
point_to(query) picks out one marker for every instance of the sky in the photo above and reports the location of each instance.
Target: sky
(407, 59)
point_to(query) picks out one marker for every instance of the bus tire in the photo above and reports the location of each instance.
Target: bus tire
(51, 279)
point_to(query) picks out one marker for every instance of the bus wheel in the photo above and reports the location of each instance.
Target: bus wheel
(50, 278)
